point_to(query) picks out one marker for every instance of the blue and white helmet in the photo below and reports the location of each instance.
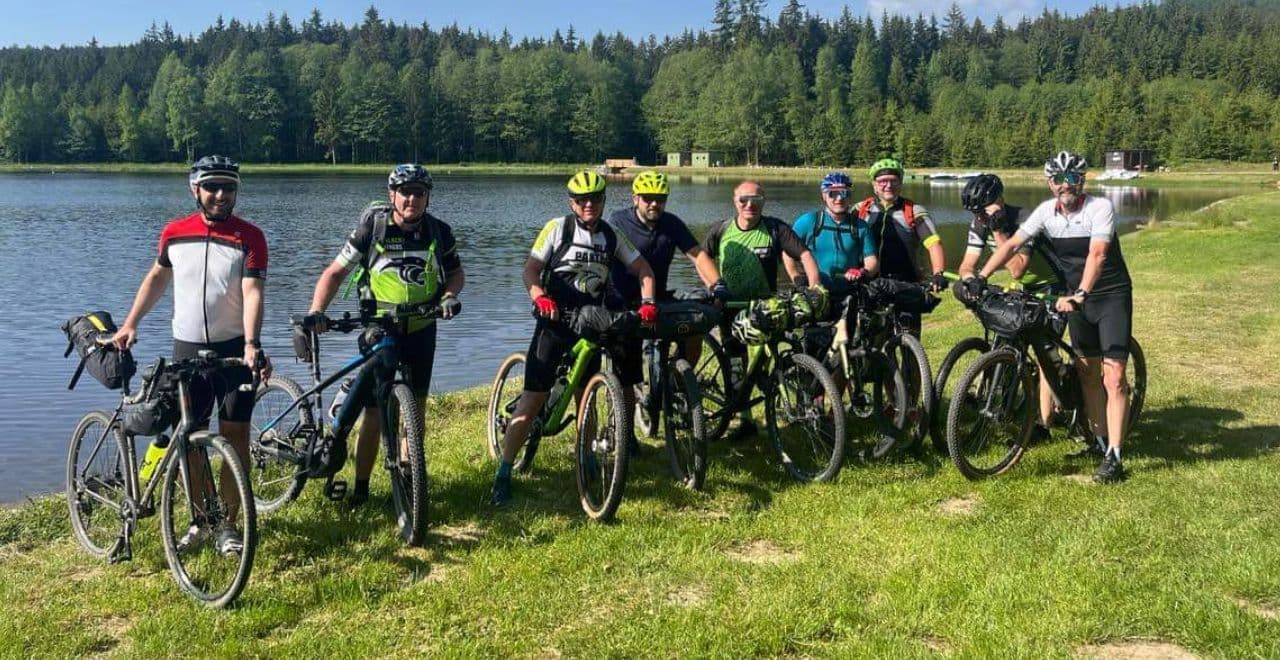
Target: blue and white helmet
(214, 169)
(1065, 162)
(408, 173)
(836, 181)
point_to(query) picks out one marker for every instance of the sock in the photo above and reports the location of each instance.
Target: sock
(1114, 452)
(504, 469)
(1102, 442)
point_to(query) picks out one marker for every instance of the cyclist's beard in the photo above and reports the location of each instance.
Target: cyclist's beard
(215, 216)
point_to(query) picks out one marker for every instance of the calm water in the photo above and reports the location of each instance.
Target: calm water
(73, 243)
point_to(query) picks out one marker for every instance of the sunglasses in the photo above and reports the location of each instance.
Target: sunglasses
(837, 194)
(888, 182)
(218, 187)
(653, 199)
(1071, 178)
(746, 200)
(595, 198)
(412, 191)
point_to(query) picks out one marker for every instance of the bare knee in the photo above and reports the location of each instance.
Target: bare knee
(1113, 379)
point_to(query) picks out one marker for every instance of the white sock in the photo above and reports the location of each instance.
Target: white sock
(1115, 452)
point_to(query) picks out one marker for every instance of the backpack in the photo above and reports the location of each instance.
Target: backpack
(112, 368)
(908, 211)
(567, 225)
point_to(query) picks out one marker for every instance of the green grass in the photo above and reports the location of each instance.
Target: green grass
(902, 559)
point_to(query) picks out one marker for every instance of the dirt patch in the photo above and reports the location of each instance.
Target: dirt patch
(762, 552)
(937, 645)
(965, 505)
(687, 596)
(115, 630)
(1136, 650)
(1079, 479)
(1258, 609)
(465, 535)
(712, 516)
(84, 573)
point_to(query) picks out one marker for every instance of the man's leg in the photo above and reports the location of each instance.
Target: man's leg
(366, 454)
(1095, 397)
(1117, 391)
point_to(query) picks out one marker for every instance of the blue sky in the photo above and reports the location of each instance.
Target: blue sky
(114, 22)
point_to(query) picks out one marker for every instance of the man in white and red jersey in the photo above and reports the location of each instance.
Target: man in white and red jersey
(217, 263)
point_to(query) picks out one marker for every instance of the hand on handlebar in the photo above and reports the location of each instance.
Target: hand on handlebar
(546, 307)
(856, 275)
(317, 322)
(450, 306)
(125, 338)
(258, 362)
(648, 313)
(938, 282)
(1068, 304)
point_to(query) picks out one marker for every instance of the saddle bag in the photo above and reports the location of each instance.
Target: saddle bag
(109, 366)
(681, 318)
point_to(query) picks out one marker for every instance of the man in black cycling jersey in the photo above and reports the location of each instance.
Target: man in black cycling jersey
(1081, 231)
(567, 268)
(406, 255)
(218, 264)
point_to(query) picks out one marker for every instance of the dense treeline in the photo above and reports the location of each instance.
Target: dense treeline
(1188, 78)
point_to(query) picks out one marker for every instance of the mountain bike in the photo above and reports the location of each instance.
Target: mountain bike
(602, 418)
(106, 495)
(290, 441)
(992, 414)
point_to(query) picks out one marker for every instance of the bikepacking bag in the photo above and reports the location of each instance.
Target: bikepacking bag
(111, 367)
(150, 417)
(681, 318)
(595, 323)
(1015, 315)
(904, 296)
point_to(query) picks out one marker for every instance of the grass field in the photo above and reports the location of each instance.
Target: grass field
(901, 559)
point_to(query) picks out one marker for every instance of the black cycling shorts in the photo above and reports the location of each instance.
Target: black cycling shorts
(551, 340)
(1104, 326)
(222, 385)
(418, 352)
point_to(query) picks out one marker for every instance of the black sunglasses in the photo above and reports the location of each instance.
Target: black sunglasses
(583, 199)
(219, 187)
(653, 199)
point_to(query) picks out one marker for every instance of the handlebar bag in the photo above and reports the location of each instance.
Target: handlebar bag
(110, 367)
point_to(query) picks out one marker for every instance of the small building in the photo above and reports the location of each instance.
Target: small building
(1129, 160)
(707, 158)
(679, 159)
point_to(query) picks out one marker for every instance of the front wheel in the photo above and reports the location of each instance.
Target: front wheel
(805, 418)
(1136, 375)
(97, 484)
(276, 454)
(955, 363)
(876, 404)
(683, 427)
(208, 523)
(908, 354)
(406, 460)
(713, 373)
(503, 398)
(992, 413)
(600, 452)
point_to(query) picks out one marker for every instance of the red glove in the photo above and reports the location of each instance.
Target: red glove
(648, 313)
(545, 305)
(855, 274)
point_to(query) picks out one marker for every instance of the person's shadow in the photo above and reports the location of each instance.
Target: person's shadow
(1186, 433)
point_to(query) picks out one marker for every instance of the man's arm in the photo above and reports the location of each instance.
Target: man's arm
(149, 293)
(871, 264)
(704, 264)
(1093, 264)
(969, 262)
(327, 286)
(253, 289)
(532, 276)
(791, 266)
(1002, 254)
(641, 269)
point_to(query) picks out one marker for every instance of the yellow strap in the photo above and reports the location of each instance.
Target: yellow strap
(97, 323)
(928, 242)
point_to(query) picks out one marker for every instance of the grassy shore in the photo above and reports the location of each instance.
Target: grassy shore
(901, 559)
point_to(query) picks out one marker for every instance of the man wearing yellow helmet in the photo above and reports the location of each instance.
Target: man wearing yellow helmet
(568, 268)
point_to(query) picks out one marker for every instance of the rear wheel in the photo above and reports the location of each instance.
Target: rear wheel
(683, 427)
(876, 405)
(909, 356)
(805, 418)
(955, 363)
(276, 454)
(402, 433)
(600, 452)
(712, 372)
(503, 397)
(1136, 375)
(991, 414)
(97, 486)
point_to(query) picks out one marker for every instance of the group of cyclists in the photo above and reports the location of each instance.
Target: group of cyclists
(217, 264)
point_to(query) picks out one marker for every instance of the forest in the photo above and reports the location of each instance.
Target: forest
(1188, 79)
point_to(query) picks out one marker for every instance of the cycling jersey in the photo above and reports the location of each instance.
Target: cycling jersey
(657, 245)
(581, 268)
(899, 238)
(1069, 235)
(1044, 265)
(748, 259)
(209, 262)
(836, 246)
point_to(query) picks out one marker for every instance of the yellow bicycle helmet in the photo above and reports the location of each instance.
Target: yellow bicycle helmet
(884, 165)
(651, 182)
(586, 182)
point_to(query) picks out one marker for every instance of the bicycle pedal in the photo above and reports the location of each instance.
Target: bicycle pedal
(335, 490)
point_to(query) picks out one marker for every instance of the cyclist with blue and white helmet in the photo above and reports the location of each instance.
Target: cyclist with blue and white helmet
(405, 256)
(841, 243)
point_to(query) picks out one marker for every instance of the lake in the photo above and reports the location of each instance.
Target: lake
(101, 230)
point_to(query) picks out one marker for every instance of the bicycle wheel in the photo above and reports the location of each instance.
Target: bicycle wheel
(645, 423)
(956, 362)
(503, 397)
(909, 355)
(991, 414)
(207, 521)
(712, 373)
(600, 452)
(876, 405)
(276, 455)
(682, 425)
(805, 418)
(97, 485)
(1136, 374)
(406, 459)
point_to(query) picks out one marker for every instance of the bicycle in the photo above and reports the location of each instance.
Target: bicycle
(991, 418)
(288, 446)
(602, 417)
(106, 496)
(804, 422)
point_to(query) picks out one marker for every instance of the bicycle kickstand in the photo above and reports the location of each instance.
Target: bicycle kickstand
(334, 489)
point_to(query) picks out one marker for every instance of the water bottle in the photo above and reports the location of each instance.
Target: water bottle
(339, 397)
(155, 454)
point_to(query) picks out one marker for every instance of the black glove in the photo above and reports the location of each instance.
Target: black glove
(938, 282)
(720, 290)
(450, 307)
(315, 322)
(974, 287)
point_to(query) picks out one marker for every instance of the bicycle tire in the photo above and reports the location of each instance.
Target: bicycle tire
(816, 451)
(712, 372)
(876, 402)
(908, 354)
(409, 486)
(502, 402)
(96, 494)
(995, 387)
(600, 451)
(683, 427)
(941, 397)
(1137, 377)
(645, 421)
(188, 564)
(277, 480)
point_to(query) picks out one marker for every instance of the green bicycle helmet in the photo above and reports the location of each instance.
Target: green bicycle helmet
(884, 165)
(586, 182)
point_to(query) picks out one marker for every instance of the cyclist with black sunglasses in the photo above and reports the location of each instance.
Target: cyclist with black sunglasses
(1081, 231)
(218, 265)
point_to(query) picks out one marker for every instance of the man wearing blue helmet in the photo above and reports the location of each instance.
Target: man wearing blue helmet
(839, 240)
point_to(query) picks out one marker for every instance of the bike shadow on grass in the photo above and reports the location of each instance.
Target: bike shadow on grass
(1189, 433)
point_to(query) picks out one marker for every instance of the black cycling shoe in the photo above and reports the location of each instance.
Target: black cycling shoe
(1110, 471)
(1039, 435)
(357, 498)
(501, 495)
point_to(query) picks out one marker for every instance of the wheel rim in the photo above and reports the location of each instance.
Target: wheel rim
(712, 385)
(994, 410)
(597, 453)
(272, 477)
(97, 489)
(805, 436)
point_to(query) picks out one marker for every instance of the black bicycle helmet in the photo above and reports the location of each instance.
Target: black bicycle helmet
(981, 191)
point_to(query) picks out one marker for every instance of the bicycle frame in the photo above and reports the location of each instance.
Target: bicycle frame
(555, 414)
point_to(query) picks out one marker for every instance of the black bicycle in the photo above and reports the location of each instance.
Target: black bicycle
(208, 524)
(996, 401)
(291, 442)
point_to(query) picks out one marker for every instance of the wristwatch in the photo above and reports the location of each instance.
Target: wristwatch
(1084, 295)
(254, 343)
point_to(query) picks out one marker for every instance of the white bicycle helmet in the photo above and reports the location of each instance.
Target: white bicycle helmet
(1065, 162)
